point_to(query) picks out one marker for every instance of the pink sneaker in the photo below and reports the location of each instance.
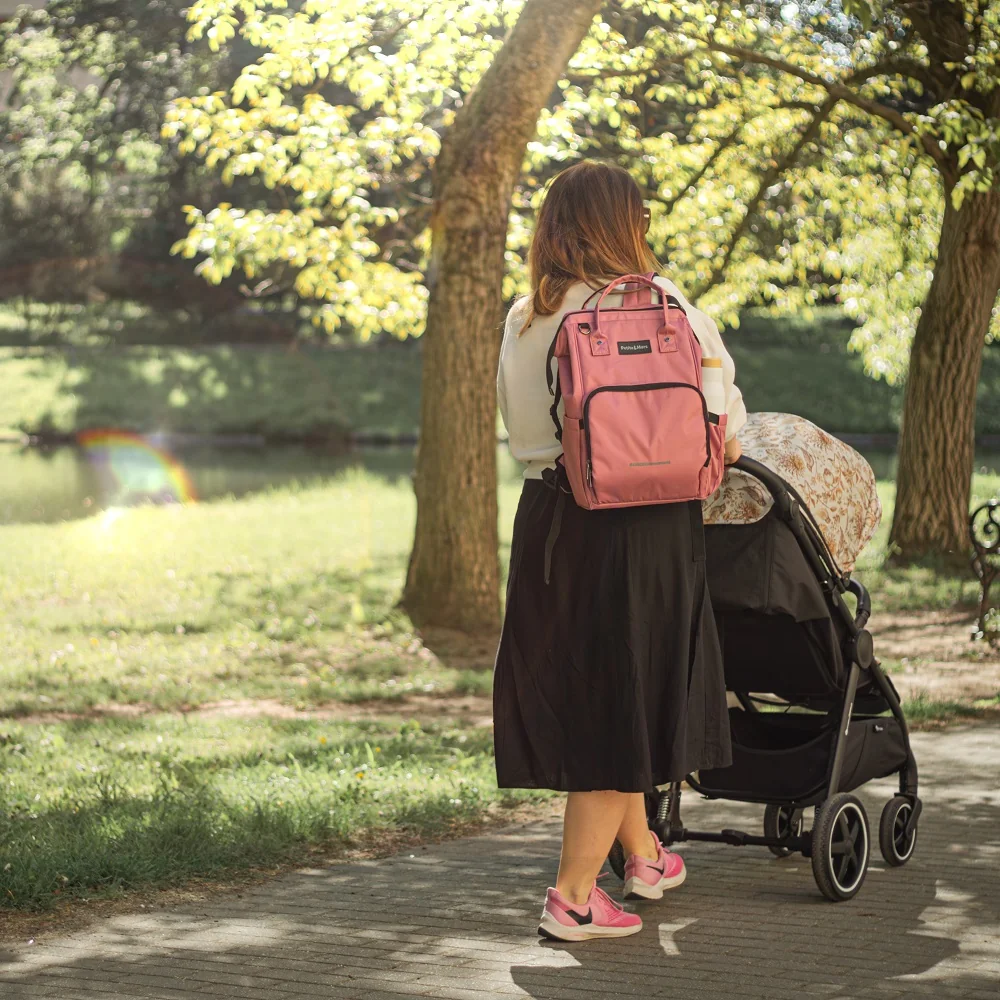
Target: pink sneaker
(645, 879)
(599, 917)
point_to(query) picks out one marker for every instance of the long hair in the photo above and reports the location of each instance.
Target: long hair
(591, 228)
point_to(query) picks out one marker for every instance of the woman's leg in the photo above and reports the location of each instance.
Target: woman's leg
(633, 834)
(589, 826)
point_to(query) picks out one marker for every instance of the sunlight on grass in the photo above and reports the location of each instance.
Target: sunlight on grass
(287, 595)
(94, 808)
(921, 709)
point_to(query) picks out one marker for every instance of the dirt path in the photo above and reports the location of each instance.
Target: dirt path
(927, 653)
(468, 710)
(930, 652)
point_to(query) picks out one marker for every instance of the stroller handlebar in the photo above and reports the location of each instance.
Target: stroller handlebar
(857, 588)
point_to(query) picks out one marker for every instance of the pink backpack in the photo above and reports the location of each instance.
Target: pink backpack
(636, 430)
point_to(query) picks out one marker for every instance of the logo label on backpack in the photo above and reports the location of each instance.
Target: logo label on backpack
(635, 347)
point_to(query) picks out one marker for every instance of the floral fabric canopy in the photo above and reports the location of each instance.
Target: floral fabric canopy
(835, 481)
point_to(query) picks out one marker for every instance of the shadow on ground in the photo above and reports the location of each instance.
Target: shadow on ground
(456, 921)
(461, 651)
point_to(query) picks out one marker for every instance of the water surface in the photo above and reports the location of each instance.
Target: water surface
(44, 485)
(65, 483)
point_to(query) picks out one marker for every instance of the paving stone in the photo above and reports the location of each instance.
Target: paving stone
(458, 921)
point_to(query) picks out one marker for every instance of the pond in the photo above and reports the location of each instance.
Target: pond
(65, 483)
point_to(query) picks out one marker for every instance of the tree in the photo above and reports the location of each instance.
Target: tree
(90, 194)
(350, 95)
(453, 576)
(341, 112)
(835, 156)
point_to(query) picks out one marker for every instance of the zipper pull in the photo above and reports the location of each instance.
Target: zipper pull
(590, 475)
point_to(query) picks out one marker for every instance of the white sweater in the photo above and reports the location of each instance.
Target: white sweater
(524, 396)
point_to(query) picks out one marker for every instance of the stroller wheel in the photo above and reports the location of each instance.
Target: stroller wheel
(616, 859)
(841, 846)
(782, 823)
(897, 847)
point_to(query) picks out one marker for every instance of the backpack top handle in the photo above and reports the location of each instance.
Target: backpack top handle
(633, 297)
(639, 279)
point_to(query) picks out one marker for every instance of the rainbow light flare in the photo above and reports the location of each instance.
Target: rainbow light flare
(132, 470)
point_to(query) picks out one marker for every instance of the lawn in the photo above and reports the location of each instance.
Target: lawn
(118, 628)
(318, 394)
(94, 808)
(288, 597)
(917, 587)
(308, 394)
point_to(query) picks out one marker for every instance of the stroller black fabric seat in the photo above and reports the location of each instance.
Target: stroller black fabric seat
(777, 632)
(761, 567)
(800, 662)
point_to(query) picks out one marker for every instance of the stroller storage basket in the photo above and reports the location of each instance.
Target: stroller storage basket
(785, 757)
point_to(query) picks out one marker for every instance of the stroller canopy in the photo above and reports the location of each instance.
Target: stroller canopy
(834, 480)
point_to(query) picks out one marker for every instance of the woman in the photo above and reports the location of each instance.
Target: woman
(608, 678)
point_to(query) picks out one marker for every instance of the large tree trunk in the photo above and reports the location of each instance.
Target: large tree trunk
(937, 440)
(454, 577)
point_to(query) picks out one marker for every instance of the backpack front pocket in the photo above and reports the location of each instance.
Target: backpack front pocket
(646, 443)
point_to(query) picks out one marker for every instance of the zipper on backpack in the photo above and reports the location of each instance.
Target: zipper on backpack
(639, 387)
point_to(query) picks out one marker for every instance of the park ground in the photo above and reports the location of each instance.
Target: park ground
(196, 694)
(456, 921)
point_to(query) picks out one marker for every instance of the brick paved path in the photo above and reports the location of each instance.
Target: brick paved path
(457, 922)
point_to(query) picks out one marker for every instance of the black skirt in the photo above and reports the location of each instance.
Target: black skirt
(609, 676)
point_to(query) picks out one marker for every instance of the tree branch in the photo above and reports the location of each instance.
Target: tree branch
(729, 140)
(726, 143)
(769, 178)
(897, 66)
(610, 73)
(839, 90)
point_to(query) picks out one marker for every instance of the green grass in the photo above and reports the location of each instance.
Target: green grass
(920, 586)
(922, 710)
(289, 595)
(323, 394)
(282, 394)
(91, 809)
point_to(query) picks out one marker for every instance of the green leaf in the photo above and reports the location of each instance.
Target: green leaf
(861, 9)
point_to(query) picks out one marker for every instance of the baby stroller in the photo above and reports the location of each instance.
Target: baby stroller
(810, 723)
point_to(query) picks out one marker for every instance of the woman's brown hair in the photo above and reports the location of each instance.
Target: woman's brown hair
(591, 228)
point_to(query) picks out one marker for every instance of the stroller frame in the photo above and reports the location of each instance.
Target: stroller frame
(783, 833)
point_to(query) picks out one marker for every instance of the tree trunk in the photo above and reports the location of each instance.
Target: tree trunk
(454, 574)
(937, 438)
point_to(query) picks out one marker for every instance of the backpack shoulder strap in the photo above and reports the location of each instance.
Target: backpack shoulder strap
(555, 389)
(549, 377)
